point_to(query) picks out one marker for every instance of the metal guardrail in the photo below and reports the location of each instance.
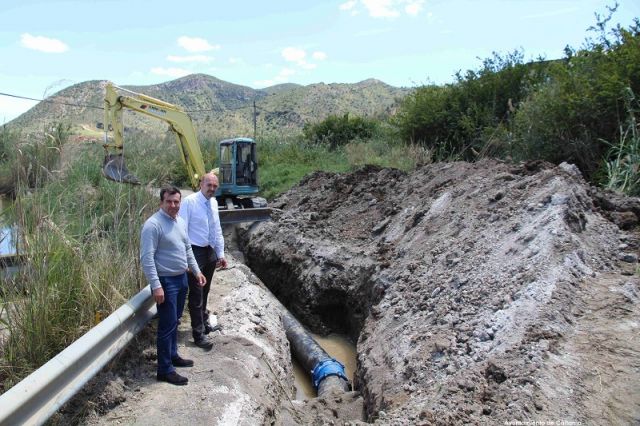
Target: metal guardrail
(43, 392)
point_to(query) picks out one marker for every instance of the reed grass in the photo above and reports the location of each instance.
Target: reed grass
(80, 234)
(622, 168)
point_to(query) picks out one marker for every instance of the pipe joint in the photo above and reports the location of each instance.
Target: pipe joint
(326, 368)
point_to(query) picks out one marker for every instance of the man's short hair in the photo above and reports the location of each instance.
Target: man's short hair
(169, 190)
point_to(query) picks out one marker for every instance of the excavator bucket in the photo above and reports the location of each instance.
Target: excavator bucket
(113, 168)
(244, 215)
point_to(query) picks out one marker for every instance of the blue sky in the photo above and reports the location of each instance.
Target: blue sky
(47, 45)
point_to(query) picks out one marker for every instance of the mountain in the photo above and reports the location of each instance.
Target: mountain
(219, 108)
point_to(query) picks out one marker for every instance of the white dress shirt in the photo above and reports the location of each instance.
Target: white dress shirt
(203, 222)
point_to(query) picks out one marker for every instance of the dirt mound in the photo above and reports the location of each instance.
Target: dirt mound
(476, 292)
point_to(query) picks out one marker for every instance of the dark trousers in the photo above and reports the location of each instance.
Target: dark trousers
(198, 296)
(169, 312)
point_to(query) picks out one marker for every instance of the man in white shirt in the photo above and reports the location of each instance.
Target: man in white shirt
(200, 213)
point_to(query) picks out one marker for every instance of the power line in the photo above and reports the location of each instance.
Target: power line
(49, 101)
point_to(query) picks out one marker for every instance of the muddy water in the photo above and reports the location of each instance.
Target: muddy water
(336, 345)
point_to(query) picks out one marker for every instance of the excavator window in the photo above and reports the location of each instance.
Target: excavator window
(245, 165)
(226, 158)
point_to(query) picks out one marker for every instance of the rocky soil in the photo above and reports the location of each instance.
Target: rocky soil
(485, 293)
(477, 293)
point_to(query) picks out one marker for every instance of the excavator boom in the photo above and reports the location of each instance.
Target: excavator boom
(114, 167)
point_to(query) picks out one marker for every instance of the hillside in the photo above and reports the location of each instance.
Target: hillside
(220, 108)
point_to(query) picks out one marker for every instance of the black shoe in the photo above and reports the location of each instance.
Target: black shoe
(173, 378)
(208, 328)
(181, 362)
(203, 342)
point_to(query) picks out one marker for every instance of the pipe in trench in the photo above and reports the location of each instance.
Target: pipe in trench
(327, 373)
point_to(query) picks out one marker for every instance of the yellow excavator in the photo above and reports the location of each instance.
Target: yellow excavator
(237, 157)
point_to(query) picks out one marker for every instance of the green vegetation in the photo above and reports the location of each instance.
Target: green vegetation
(557, 111)
(30, 162)
(80, 233)
(623, 159)
(340, 130)
(582, 102)
(459, 120)
(284, 161)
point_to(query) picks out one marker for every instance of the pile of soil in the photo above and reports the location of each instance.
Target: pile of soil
(484, 292)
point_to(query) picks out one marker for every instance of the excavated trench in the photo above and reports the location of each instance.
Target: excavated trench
(464, 285)
(329, 309)
(334, 310)
(328, 318)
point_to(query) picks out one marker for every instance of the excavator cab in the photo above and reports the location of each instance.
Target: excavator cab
(238, 176)
(238, 167)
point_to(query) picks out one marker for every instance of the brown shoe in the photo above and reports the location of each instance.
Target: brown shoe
(173, 378)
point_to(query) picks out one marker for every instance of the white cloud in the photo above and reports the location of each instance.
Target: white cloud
(236, 61)
(319, 56)
(170, 72)
(293, 54)
(193, 58)
(196, 44)
(384, 8)
(43, 44)
(297, 56)
(381, 8)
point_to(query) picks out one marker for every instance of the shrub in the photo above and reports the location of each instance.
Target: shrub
(339, 130)
(582, 102)
(456, 120)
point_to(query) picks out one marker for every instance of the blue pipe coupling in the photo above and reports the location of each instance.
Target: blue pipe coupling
(325, 368)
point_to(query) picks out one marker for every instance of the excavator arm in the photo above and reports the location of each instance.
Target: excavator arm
(179, 122)
(233, 209)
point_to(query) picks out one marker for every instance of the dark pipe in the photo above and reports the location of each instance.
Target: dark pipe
(327, 373)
